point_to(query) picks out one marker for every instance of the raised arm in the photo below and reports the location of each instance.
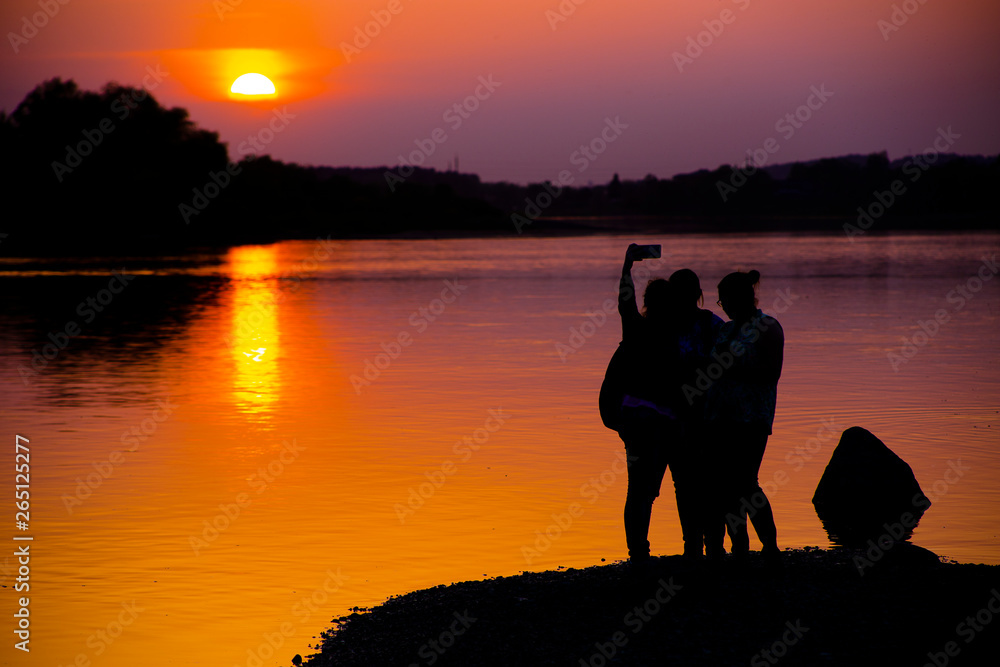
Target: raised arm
(627, 307)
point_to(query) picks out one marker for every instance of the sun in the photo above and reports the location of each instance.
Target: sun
(252, 84)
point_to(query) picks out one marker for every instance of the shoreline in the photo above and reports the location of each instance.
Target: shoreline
(555, 227)
(816, 608)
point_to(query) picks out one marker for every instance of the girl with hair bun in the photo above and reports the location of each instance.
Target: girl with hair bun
(740, 409)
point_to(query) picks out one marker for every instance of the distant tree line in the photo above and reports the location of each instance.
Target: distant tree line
(114, 171)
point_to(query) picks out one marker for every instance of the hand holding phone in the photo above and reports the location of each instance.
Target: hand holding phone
(640, 252)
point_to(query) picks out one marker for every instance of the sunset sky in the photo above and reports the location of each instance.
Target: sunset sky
(555, 72)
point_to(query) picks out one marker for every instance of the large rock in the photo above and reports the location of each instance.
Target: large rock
(867, 492)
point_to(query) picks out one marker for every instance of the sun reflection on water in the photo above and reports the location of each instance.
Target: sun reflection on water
(255, 341)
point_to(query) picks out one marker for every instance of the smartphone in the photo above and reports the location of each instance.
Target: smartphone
(647, 252)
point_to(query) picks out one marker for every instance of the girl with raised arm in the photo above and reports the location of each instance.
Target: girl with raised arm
(649, 409)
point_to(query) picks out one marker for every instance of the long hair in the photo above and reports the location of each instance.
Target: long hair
(657, 299)
(687, 288)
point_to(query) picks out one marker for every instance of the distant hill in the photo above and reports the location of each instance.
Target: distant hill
(112, 171)
(782, 171)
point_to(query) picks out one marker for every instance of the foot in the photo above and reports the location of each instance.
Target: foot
(638, 560)
(692, 553)
(639, 569)
(771, 553)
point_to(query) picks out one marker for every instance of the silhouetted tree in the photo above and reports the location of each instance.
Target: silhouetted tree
(115, 171)
(89, 168)
(615, 188)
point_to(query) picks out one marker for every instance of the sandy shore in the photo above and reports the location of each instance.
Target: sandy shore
(819, 607)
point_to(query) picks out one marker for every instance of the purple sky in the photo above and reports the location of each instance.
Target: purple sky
(560, 74)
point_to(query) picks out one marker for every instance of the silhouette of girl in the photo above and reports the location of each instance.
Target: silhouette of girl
(648, 424)
(697, 330)
(740, 406)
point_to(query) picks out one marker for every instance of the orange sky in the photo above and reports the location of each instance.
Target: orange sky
(559, 80)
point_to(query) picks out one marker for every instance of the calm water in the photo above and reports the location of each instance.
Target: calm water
(206, 473)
